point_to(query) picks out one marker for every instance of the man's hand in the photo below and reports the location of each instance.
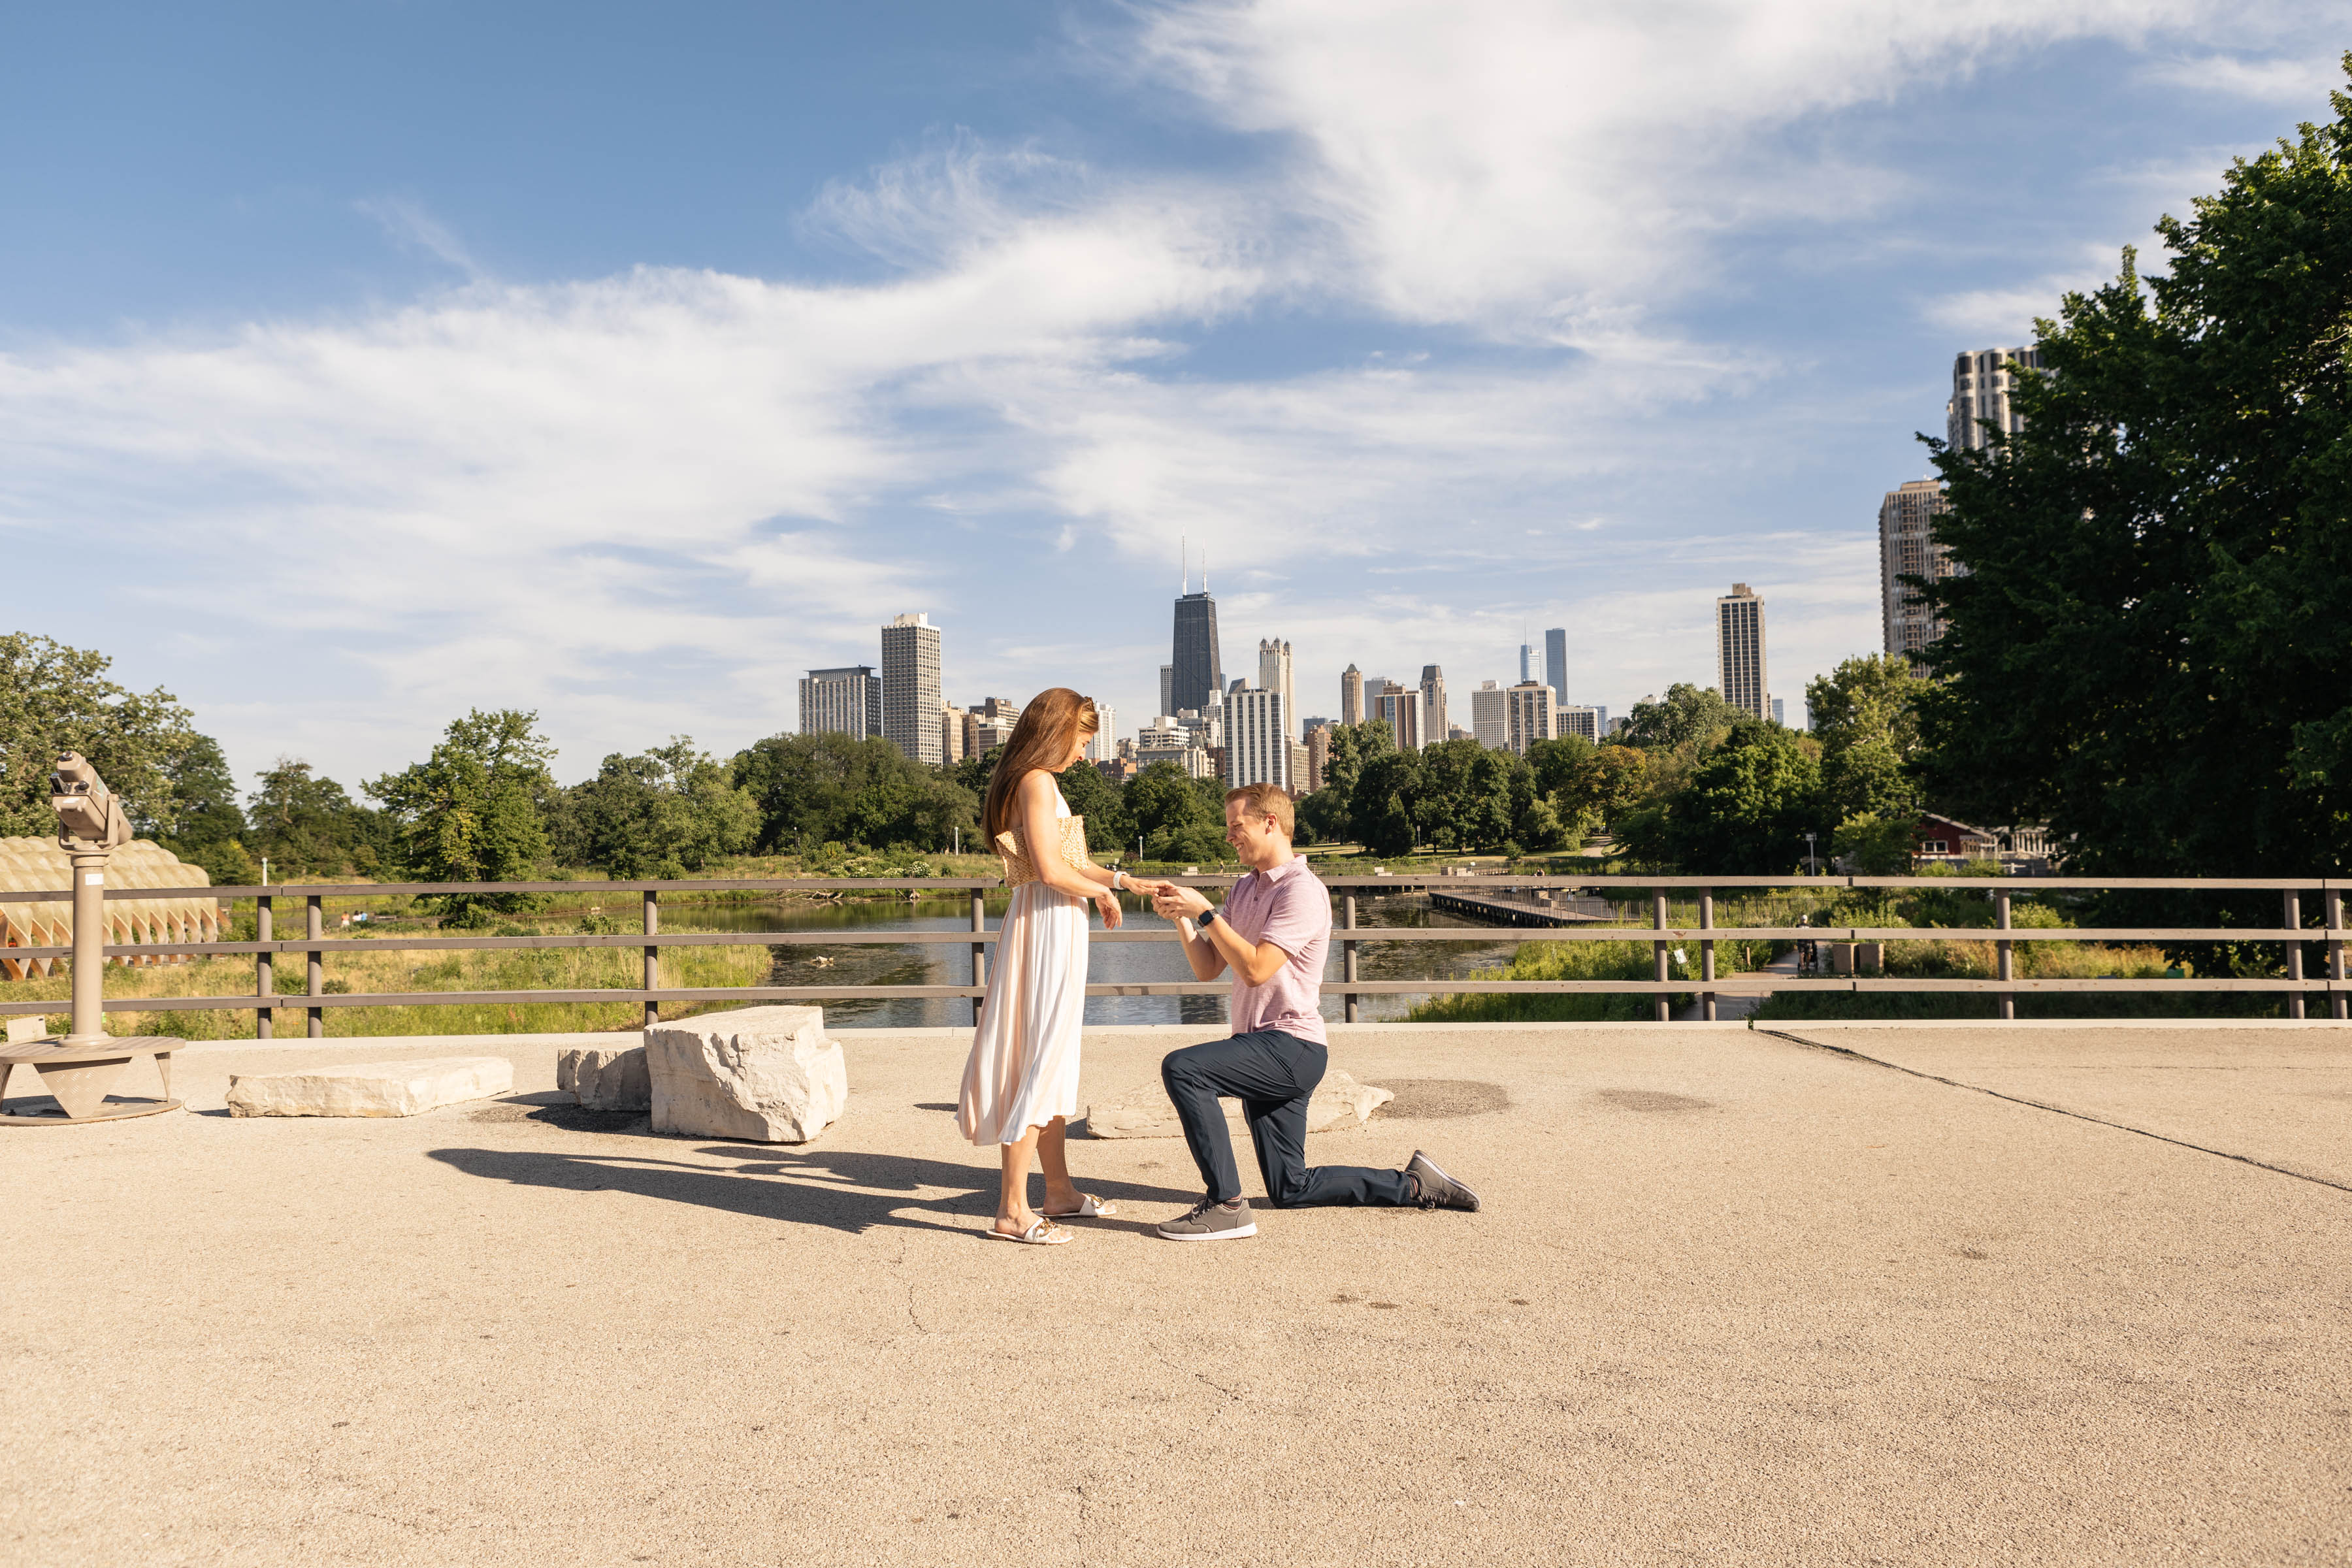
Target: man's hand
(1174, 902)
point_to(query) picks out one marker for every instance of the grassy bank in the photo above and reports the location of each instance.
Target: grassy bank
(360, 967)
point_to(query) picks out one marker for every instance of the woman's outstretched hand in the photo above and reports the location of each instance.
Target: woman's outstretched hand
(1109, 904)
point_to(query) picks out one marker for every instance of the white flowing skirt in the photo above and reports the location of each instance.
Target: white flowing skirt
(1024, 1068)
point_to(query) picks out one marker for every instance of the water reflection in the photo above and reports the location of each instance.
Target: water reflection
(849, 962)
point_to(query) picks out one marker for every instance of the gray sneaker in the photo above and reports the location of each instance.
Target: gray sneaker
(1435, 1189)
(1211, 1221)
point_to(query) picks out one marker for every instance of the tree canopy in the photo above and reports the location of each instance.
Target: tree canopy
(2149, 648)
(57, 698)
(474, 810)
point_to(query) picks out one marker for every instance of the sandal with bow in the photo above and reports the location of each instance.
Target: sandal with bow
(1044, 1233)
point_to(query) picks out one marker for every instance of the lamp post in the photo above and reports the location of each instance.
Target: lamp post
(1810, 862)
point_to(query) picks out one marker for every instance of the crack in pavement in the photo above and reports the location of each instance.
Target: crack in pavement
(2056, 1109)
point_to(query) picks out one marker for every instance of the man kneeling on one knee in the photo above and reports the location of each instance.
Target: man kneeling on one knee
(1273, 932)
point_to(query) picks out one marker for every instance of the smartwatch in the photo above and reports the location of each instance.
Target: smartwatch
(1206, 916)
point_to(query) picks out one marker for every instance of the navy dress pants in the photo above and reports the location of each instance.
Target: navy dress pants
(1271, 1074)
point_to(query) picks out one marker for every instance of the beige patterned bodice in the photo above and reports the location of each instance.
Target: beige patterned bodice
(1018, 865)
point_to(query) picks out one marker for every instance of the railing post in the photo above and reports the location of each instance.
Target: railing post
(2005, 949)
(2335, 997)
(1706, 951)
(653, 954)
(2293, 921)
(1347, 951)
(314, 926)
(978, 951)
(264, 970)
(1658, 948)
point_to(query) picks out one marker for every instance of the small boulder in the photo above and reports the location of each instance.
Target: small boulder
(765, 1074)
(1339, 1103)
(605, 1080)
(371, 1088)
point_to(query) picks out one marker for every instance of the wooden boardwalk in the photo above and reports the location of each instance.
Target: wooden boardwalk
(1521, 911)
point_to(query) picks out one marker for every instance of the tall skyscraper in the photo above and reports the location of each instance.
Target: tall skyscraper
(910, 687)
(1199, 673)
(1907, 547)
(1274, 675)
(1526, 662)
(1529, 715)
(1319, 752)
(1739, 649)
(1434, 726)
(1399, 707)
(1490, 716)
(1779, 712)
(1104, 747)
(1352, 696)
(847, 701)
(1257, 739)
(1982, 381)
(1556, 663)
(1168, 689)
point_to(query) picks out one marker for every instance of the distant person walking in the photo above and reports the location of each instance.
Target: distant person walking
(1273, 932)
(1021, 1082)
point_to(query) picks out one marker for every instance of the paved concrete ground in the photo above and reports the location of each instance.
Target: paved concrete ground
(1734, 1298)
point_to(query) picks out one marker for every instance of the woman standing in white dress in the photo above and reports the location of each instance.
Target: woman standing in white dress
(1020, 1083)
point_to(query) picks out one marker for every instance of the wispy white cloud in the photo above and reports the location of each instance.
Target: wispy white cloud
(409, 225)
(2292, 81)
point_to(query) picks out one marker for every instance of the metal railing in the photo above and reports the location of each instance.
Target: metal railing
(315, 946)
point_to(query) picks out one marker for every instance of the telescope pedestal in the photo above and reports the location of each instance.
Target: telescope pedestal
(80, 1075)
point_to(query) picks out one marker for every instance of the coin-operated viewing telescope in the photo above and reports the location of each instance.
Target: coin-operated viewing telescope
(81, 1069)
(89, 815)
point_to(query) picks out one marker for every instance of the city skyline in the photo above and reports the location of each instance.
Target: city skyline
(629, 405)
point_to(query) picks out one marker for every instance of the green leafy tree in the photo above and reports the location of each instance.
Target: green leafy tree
(1108, 827)
(56, 699)
(1688, 716)
(1381, 804)
(815, 789)
(1353, 746)
(1877, 846)
(1865, 718)
(307, 826)
(2149, 648)
(1745, 811)
(662, 814)
(473, 811)
(212, 826)
(1173, 817)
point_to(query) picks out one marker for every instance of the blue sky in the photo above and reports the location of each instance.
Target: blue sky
(623, 362)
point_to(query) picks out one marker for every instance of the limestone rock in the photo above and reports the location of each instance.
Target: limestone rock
(371, 1088)
(1339, 1103)
(605, 1080)
(766, 1074)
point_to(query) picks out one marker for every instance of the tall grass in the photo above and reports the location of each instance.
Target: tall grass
(358, 966)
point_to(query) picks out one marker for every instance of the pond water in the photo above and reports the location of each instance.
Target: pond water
(854, 964)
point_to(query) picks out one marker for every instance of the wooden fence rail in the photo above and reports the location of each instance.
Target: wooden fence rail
(316, 948)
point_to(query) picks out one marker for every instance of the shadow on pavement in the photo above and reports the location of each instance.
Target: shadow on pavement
(835, 1189)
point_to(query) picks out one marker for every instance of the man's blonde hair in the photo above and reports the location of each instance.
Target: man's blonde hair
(1266, 800)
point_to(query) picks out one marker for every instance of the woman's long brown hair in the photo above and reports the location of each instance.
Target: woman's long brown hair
(1041, 739)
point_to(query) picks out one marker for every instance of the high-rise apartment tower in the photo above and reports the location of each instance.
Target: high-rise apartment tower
(910, 687)
(1257, 739)
(847, 701)
(1490, 716)
(1399, 707)
(1433, 727)
(1982, 380)
(1739, 649)
(1907, 547)
(1352, 696)
(1274, 675)
(1530, 715)
(1556, 663)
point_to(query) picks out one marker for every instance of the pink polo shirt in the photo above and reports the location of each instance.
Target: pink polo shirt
(1290, 907)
